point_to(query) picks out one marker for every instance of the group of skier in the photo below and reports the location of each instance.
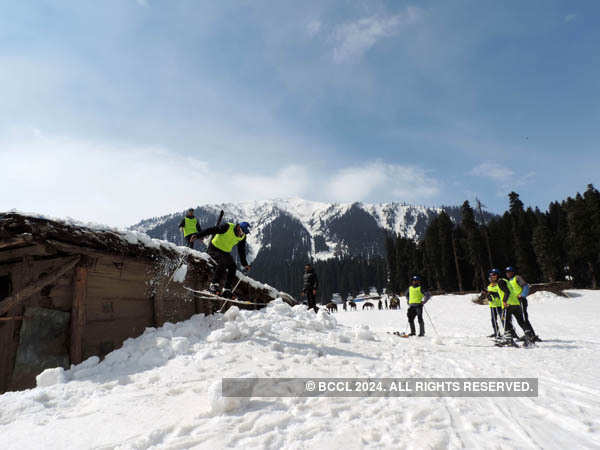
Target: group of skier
(507, 296)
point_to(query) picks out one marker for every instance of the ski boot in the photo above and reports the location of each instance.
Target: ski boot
(214, 288)
(227, 293)
(528, 340)
(506, 341)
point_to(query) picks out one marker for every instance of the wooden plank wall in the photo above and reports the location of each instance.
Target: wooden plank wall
(26, 265)
(110, 297)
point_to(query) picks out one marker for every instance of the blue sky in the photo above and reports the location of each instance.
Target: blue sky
(118, 110)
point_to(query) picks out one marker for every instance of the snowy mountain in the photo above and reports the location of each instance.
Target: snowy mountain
(311, 230)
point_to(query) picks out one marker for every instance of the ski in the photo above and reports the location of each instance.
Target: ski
(507, 343)
(401, 334)
(207, 295)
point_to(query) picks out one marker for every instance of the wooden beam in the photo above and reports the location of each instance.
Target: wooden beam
(37, 286)
(8, 319)
(78, 314)
(13, 242)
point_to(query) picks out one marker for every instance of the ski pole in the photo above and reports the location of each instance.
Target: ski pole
(232, 291)
(431, 321)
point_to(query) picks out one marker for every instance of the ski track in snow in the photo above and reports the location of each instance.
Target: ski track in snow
(162, 390)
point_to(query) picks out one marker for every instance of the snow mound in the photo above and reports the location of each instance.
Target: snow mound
(542, 297)
(157, 347)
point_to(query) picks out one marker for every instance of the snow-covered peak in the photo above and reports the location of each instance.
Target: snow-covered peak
(324, 222)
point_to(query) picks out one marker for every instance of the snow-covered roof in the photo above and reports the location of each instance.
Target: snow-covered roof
(38, 228)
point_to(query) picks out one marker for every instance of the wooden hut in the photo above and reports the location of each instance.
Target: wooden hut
(68, 292)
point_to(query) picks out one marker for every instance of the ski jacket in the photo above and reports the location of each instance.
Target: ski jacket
(190, 225)
(310, 280)
(224, 241)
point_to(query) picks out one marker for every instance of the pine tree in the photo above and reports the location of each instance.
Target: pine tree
(582, 244)
(521, 238)
(474, 244)
(546, 252)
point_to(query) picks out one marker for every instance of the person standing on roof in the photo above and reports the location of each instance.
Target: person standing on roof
(190, 228)
(226, 236)
(310, 283)
(416, 297)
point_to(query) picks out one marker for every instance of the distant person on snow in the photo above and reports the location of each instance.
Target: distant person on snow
(520, 288)
(227, 236)
(310, 286)
(416, 297)
(190, 228)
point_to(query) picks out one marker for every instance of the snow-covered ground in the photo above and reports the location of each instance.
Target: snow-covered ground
(162, 390)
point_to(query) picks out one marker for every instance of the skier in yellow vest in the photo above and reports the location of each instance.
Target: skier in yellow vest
(190, 228)
(496, 292)
(227, 236)
(416, 297)
(521, 289)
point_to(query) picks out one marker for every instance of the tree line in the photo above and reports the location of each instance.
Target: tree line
(347, 275)
(562, 243)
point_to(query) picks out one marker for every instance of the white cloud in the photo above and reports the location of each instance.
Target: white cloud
(570, 17)
(313, 28)
(505, 177)
(492, 170)
(379, 181)
(118, 186)
(353, 39)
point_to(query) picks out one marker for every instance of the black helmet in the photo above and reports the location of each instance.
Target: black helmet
(494, 272)
(510, 269)
(416, 278)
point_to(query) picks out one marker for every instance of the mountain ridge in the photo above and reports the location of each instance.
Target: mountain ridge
(331, 227)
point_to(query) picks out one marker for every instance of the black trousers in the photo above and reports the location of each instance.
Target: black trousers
(525, 315)
(188, 240)
(496, 314)
(517, 312)
(311, 299)
(225, 263)
(416, 310)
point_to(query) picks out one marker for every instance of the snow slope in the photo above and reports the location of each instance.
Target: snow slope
(162, 390)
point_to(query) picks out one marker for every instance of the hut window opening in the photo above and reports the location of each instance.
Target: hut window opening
(5, 286)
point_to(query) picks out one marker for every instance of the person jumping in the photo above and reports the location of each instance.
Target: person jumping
(227, 236)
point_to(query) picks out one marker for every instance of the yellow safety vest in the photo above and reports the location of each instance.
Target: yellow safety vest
(227, 240)
(497, 295)
(415, 296)
(515, 291)
(190, 226)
